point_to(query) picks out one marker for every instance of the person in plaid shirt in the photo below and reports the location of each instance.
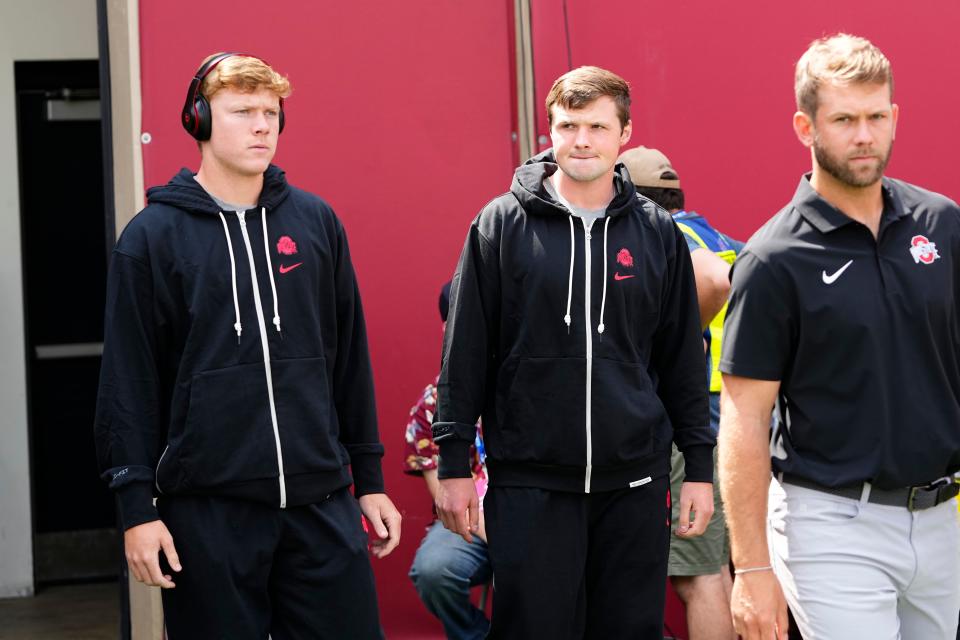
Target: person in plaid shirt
(446, 566)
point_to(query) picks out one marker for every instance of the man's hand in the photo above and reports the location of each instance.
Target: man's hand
(458, 506)
(142, 545)
(696, 496)
(380, 512)
(758, 606)
(757, 601)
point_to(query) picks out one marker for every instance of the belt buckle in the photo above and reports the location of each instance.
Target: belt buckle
(910, 497)
(924, 490)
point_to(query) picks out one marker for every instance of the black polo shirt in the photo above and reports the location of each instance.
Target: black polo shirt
(863, 334)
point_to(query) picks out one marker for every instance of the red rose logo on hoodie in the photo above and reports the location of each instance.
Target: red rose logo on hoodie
(286, 246)
(624, 258)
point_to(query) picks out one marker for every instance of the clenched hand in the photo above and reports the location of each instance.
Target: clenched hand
(380, 512)
(142, 545)
(459, 507)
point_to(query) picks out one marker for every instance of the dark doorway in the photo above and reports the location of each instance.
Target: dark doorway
(64, 275)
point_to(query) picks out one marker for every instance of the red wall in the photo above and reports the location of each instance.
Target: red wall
(712, 87)
(401, 118)
(402, 114)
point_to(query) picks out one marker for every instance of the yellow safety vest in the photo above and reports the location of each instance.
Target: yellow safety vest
(714, 332)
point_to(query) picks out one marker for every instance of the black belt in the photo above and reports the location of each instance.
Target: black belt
(912, 498)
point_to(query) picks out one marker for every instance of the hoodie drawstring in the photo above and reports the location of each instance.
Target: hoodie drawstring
(233, 275)
(273, 283)
(573, 240)
(603, 300)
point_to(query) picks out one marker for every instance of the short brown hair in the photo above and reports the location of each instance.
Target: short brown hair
(579, 87)
(840, 58)
(246, 74)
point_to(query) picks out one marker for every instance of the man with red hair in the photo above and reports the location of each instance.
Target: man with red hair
(236, 397)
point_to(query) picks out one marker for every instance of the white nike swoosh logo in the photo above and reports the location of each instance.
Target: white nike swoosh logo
(833, 278)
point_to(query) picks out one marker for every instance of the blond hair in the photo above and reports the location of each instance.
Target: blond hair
(579, 87)
(243, 73)
(841, 59)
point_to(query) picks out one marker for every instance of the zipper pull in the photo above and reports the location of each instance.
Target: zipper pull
(242, 216)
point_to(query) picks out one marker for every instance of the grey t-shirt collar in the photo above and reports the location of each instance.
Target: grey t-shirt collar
(588, 215)
(226, 206)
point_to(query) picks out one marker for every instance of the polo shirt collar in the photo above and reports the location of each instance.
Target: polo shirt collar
(826, 217)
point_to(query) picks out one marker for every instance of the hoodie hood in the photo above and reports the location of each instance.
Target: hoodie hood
(534, 198)
(529, 190)
(590, 361)
(192, 401)
(185, 193)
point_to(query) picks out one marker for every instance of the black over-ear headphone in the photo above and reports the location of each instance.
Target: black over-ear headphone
(196, 117)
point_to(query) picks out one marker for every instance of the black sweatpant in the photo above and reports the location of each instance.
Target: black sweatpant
(250, 569)
(576, 566)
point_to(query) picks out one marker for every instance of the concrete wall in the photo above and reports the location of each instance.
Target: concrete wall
(29, 30)
(123, 20)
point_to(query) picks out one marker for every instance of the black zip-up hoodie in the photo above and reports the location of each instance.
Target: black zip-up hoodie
(235, 358)
(582, 351)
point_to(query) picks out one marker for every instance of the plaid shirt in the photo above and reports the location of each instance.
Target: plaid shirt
(420, 452)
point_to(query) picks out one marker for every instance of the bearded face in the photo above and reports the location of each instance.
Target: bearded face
(852, 132)
(859, 168)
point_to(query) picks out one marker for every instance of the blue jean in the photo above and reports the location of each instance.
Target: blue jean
(443, 571)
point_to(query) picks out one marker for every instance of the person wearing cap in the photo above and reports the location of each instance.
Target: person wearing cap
(698, 567)
(574, 331)
(844, 315)
(446, 566)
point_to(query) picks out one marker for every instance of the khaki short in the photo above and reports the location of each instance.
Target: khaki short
(706, 554)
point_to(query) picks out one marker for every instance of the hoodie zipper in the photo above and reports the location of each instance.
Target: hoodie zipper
(587, 237)
(156, 472)
(266, 354)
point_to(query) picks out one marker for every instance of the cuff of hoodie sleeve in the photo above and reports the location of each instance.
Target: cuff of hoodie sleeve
(454, 459)
(367, 474)
(698, 463)
(136, 504)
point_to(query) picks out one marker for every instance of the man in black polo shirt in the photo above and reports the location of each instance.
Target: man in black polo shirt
(845, 313)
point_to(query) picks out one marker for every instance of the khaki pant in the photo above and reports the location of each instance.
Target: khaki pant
(852, 569)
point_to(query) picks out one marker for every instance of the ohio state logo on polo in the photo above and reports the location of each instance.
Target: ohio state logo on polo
(923, 250)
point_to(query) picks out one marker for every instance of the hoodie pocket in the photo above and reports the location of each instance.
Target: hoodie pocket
(629, 421)
(545, 419)
(228, 436)
(309, 430)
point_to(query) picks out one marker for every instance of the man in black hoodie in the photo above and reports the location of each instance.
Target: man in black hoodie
(242, 425)
(574, 330)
